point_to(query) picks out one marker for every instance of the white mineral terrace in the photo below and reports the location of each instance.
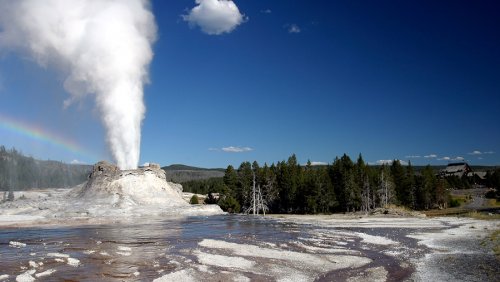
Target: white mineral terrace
(109, 193)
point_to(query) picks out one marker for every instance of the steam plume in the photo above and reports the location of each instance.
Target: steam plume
(103, 48)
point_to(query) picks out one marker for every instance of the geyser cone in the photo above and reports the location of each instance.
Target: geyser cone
(144, 186)
(111, 193)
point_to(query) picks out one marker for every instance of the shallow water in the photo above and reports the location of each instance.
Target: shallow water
(144, 251)
(214, 248)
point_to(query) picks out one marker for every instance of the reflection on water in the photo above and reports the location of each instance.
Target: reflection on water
(149, 249)
(134, 251)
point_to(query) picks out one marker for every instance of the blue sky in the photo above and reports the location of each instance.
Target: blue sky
(409, 80)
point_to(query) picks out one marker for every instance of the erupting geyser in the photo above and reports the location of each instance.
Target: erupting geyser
(102, 47)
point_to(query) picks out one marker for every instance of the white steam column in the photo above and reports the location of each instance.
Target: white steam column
(103, 48)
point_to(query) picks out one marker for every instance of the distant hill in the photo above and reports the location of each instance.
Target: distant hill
(20, 172)
(176, 167)
(437, 168)
(181, 173)
(56, 174)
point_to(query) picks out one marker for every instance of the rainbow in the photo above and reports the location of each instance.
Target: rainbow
(38, 134)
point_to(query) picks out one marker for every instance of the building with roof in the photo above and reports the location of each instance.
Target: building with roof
(456, 169)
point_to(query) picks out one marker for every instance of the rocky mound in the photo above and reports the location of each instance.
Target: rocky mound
(143, 186)
(111, 193)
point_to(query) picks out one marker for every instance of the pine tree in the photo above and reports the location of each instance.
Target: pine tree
(335, 173)
(230, 180)
(363, 182)
(410, 188)
(309, 191)
(441, 194)
(386, 190)
(399, 178)
(424, 197)
(244, 187)
(327, 200)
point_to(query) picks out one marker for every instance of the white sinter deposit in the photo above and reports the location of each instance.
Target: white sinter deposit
(110, 193)
(122, 188)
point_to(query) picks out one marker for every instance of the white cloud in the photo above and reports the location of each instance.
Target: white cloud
(215, 17)
(75, 161)
(413, 157)
(266, 11)
(389, 162)
(318, 163)
(232, 149)
(293, 28)
(382, 162)
(431, 156)
(451, 159)
(477, 152)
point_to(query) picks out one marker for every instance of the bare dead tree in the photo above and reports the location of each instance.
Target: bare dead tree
(383, 189)
(253, 202)
(258, 203)
(253, 194)
(366, 202)
(386, 188)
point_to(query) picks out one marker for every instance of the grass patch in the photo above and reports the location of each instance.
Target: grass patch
(463, 213)
(462, 199)
(493, 203)
(445, 212)
(482, 216)
(494, 241)
(397, 208)
(456, 201)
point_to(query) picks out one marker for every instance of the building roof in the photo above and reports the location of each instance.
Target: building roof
(480, 174)
(457, 169)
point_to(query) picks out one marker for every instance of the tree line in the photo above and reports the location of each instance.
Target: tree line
(20, 172)
(342, 186)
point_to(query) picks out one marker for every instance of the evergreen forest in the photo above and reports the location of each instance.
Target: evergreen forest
(342, 186)
(19, 172)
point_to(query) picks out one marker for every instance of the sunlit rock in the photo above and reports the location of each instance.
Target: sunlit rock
(109, 193)
(143, 186)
